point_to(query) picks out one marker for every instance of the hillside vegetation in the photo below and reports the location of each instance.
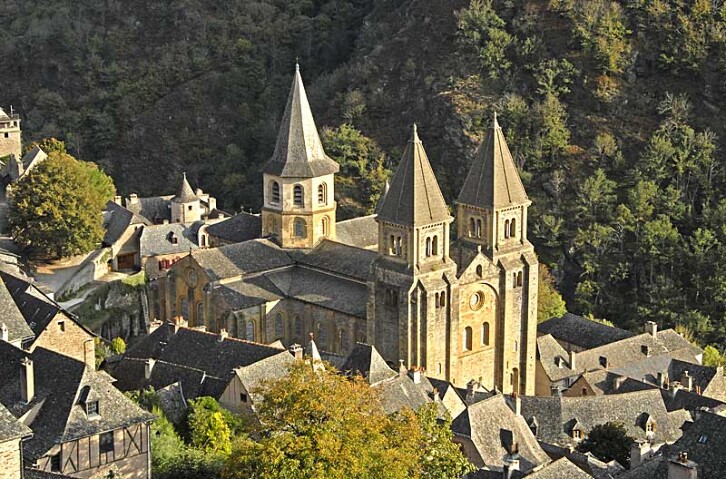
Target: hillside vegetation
(614, 111)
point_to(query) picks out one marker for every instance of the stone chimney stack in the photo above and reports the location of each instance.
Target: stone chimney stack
(416, 374)
(402, 370)
(618, 382)
(517, 403)
(556, 391)
(663, 380)
(573, 360)
(117, 200)
(682, 468)
(4, 333)
(222, 335)
(148, 367)
(297, 351)
(673, 388)
(687, 381)
(511, 466)
(27, 380)
(652, 328)
(640, 451)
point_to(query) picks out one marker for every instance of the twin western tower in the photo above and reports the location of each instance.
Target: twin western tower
(464, 309)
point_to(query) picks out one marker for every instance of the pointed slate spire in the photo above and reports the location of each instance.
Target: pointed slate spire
(414, 197)
(186, 193)
(493, 180)
(299, 151)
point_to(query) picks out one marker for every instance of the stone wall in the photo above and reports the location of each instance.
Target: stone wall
(10, 459)
(93, 267)
(64, 336)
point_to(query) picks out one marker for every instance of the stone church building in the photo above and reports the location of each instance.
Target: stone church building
(463, 310)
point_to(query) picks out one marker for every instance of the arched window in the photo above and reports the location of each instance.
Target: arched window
(392, 246)
(298, 327)
(485, 334)
(428, 247)
(435, 246)
(200, 313)
(297, 195)
(519, 279)
(322, 194)
(506, 229)
(479, 271)
(279, 326)
(478, 228)
(472, 227)
(324, 227)
(399, 247)
(300, 228)
(514, 280)
(250, 331)
(275, 193)
(436, 300)
(513, 228)
(516, 346)
(442, 299)
(467, 339)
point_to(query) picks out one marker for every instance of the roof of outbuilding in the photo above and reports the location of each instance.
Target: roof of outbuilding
(359, 232)
(185, 194)
(562, 468)
(493, 180)
(241, 258)
(607, 382)
(550, 353)
(158, 240)
(414, 197)
(254, 376)
(60, 383)
(12, 318)
(484, 422)
(10, 427)
(582, 332)
(154, 208)
(366, 361)
(401, 391)
(299, 152)
(116, 219)
(238, 228)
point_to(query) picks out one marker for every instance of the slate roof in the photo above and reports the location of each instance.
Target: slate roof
(582, 332)
(560, 469)
(155, 209)
(414, 197)
(484, 422)
(366, 361)
(30, 473)
(248, 292)
(549, 353)
(12, 318)
(607, 382)
(556, 416)
(241, 258)
(156, 240)
(254, 376)
(60, 384)
(188, 354)
(185, 194)
(705, 443)
(359, 232)
(11, 428)
(324, 290)
(402, 392)
(334, 257)
(116, 219)
(299, 152)
(493, 180)
(240, 227)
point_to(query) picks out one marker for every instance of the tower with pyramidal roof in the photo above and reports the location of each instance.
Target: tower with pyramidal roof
(299, 205)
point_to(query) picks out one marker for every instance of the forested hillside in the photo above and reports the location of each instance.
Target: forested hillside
(615, 112)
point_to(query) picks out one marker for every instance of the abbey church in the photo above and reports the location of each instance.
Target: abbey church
(463, 310)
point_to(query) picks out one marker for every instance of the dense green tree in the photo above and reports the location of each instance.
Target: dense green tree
(481, 30)
(56, 208)
(207, 426)
(607, 442)
(549, 301)
(712, 357)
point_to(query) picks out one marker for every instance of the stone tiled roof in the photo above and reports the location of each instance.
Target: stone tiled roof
(254, 376)
(299, 152)
(560, 469)
(158, 239)
(414, 197)
(185, 194)
(60, 384)
(12, 318)
(10, 427)
(366, 361)
(550, 353)
(606, 382)
(30, 473)
(402, 392)
(248, 292)
(656, 468)
(484, 422)
(155, 209)
(116, 219)
(582, 332)
(338, 258)
(240, 227)
(359, 232)
(556, 416)
(493, 180)
(241, 258)
(326, 291)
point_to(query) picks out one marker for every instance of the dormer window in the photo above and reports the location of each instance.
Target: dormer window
(92, 409)
(576, 434)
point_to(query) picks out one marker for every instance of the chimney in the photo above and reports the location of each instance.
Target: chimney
(673, 388)
(4, 333)
(297, 351)
(640, 451)
(663, 380)
(652, 328)
(133, 199)
(27, 380)
(573, 360)
(556, 392)
(618, 382)
(117, 200)
(222, 335)
(402, 370)
(682, 468)
(511, 466)
(517, 403)
(148, 367)
(416, 374)
(687, 381)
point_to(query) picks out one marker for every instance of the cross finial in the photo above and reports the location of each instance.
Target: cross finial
(297, 65)
(415, 128)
